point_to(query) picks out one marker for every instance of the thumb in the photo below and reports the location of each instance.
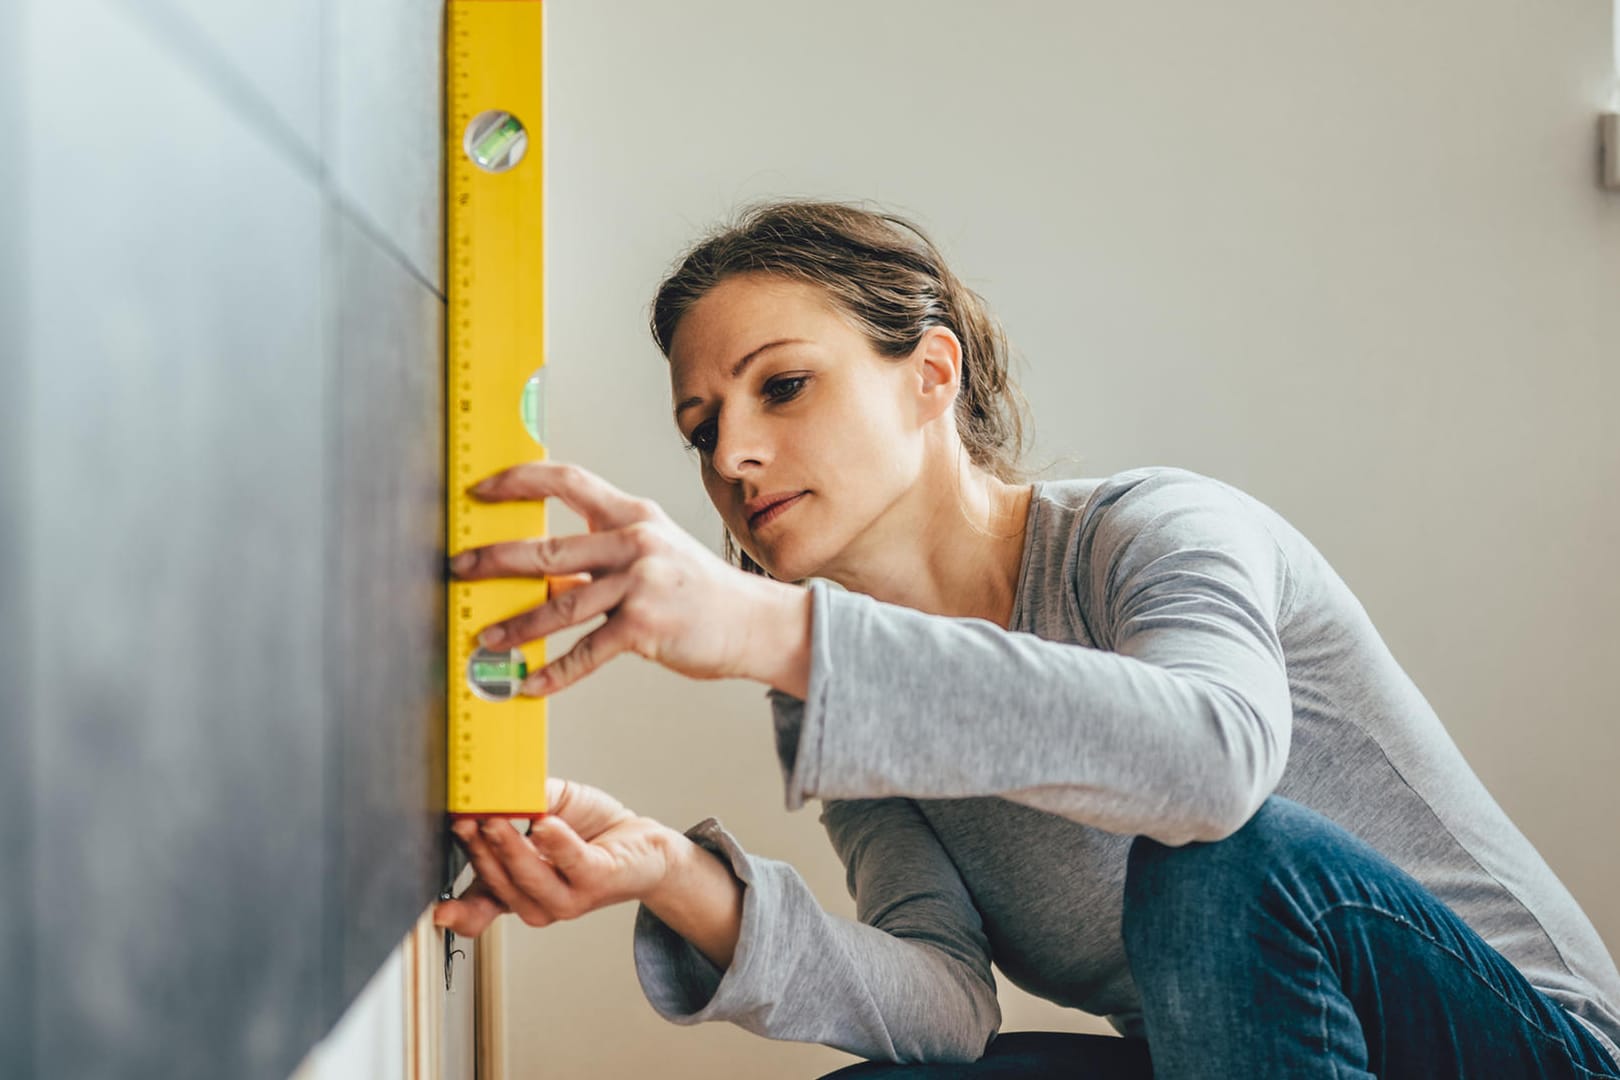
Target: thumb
(556, 840)
(588, 810)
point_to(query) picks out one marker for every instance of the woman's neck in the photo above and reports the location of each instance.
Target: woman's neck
(955, 547)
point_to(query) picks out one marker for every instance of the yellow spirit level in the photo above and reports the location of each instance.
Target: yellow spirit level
(494, 389)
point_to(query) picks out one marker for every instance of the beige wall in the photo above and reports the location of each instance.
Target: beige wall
(1349, 257)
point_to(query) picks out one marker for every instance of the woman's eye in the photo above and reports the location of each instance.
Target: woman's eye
(700, 438)
(702, 433)
(795, 381)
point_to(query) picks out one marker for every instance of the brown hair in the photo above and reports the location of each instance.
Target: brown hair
(890, 280)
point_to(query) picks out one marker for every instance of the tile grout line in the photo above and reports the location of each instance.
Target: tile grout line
(179, 35)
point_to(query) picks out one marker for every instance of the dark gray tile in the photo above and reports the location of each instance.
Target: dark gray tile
(386, 604)
(175, 513)
(385, 128)
(16, 805)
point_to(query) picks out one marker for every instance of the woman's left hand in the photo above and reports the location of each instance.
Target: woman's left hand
(587, 851)
(666, 597)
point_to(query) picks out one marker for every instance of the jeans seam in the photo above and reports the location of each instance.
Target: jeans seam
(1443, 947)
(1316, 992)
(1598, 1075)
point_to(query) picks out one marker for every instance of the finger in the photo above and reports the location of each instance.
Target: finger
(488, 865)
(588, 495)
(468, 915)
(529, 871)
(478, 892)
(557, 613)
(588, 811)
(548, 555)
(589, 653)
(553, 837)
(472, 911)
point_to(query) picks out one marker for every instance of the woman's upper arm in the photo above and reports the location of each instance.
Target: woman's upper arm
(903, 881)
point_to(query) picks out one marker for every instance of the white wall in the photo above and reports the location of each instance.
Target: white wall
(394, 1030)
(1349, 257)
(370, 1039)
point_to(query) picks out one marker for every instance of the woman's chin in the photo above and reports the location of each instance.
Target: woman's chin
(786, 554)
(768, 562)
(774, 560)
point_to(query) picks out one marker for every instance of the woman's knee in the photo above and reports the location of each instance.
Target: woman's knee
(1163, 879)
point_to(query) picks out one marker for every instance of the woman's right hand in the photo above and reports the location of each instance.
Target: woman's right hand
(665, 595)
(588, 852)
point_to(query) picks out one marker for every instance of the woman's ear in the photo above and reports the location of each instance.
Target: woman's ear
(937, 361)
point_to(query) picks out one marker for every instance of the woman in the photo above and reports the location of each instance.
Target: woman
(1131, 737)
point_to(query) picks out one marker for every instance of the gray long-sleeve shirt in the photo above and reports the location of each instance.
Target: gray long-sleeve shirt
(1177, 651)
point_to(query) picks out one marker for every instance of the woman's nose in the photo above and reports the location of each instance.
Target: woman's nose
(736, 446)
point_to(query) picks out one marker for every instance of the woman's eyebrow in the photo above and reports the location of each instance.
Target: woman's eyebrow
(741, 366)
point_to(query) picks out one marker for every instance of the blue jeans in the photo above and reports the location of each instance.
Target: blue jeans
(1294, 949)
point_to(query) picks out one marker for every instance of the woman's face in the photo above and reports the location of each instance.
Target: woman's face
(816, 414)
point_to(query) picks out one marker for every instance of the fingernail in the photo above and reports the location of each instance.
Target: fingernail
(463, 562)
(492, 637)
(483, 487)
(535, 685)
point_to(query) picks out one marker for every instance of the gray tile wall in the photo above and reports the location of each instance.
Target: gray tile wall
(229, 500)
(385, 606)
(16, 832)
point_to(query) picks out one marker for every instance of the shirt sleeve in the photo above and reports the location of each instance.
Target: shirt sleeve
(909, 982)
(1176, 726)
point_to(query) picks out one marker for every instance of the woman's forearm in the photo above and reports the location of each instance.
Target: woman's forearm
(699, 898)
(779, 638)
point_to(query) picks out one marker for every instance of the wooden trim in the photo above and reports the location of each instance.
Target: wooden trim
(423, 999)
(489, 1003)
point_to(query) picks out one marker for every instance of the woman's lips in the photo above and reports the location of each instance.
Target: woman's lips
(772, 513)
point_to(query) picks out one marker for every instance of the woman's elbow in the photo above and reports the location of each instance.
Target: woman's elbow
(1222, 806)
(1228, 808)
(1247, 771)
(983, 1022)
